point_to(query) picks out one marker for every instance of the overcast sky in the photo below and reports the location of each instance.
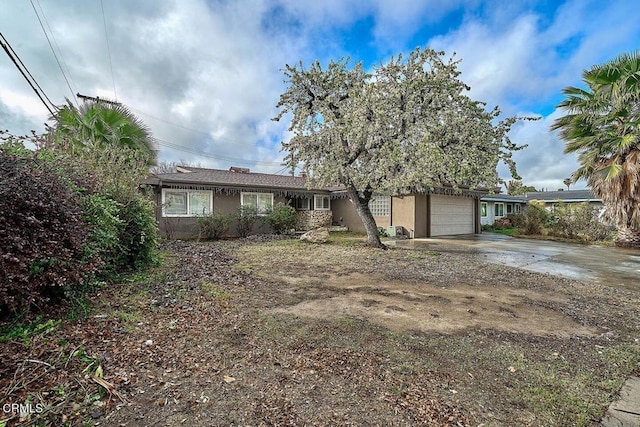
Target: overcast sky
(206, 75)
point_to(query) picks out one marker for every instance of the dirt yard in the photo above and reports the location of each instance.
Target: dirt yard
(278, 332)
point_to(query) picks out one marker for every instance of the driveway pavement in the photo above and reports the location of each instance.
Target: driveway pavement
(601, 264)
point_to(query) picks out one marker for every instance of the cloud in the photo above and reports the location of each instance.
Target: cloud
(205, 74)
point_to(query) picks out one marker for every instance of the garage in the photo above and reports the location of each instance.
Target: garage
(451, 215)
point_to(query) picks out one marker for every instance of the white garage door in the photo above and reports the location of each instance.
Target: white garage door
(451, 215)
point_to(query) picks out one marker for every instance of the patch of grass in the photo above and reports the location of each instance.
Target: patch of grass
(505, 231)
(422, 254)
(25, 332)
(347, 238)
(215, 291)
(129, 319)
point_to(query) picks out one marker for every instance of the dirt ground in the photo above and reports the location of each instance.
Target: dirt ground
(261, 332)
(402, 306)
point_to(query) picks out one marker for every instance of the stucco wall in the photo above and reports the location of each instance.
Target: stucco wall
(421, 215)
(404, 212)
(187, 227)
(344, 213)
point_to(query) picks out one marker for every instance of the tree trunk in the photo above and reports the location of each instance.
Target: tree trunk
(628, 237)
(362, 208)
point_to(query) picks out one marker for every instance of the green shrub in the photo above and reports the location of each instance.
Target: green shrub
(246, 217)
(101, 213)
(282, 218)
(139, 234)
(532, 219)
(214, 226)
(579, 222)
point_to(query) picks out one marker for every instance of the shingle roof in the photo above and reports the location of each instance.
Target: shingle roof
(235, 179)
(569, 195)
(504, 198)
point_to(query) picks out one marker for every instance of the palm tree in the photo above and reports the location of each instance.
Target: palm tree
(602, 125)
(567, 182)
(99, 124)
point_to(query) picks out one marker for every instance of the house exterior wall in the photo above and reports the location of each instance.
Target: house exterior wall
(344, 213)
(489, 218)
(412, 212)
(403, 212)
(422, 225)
(491, 215)
(383, 221)
(187, 227)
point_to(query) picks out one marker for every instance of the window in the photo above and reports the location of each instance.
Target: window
(262, 202)
(186, 202)
(321, 202)
(301, 204)
(483, 209)
(498, 209)
(509, 208)
(517, 208)
(380, 206)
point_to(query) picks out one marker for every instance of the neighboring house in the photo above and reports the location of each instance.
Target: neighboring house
(497, 206)
(183, 196)
(552, 198)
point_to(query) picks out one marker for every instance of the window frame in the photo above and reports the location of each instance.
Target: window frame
(495, 210)
(509, 208)
(484, 209)
(253, 193)
(321, 197)
(187, 193)
(302, 208)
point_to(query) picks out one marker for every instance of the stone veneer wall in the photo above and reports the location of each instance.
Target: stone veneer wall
(310, 220)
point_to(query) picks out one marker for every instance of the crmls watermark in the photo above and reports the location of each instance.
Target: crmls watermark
(23, 408)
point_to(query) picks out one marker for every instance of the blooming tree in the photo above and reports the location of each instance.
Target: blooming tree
(406, 127)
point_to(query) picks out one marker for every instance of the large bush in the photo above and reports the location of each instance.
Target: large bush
(43, 237)
(101, 213)
(246, 218)
(532, 220)
(282, 218)
(139, 234)
(214, 226)
(579, 222)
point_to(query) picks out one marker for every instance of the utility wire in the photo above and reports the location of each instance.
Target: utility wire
(55, 42)
(179, 147)
(178, 125)
(52, 49)
(169, 123)
(106, 36)
(15, 59)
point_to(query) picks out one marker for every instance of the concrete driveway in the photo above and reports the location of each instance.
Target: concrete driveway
(601, 264)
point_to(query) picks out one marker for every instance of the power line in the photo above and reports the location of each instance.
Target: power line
(55, 42)
(52, 49)
(106, 36)
(24, 71)
(178, 125)
(170, 123)
(178, 147)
